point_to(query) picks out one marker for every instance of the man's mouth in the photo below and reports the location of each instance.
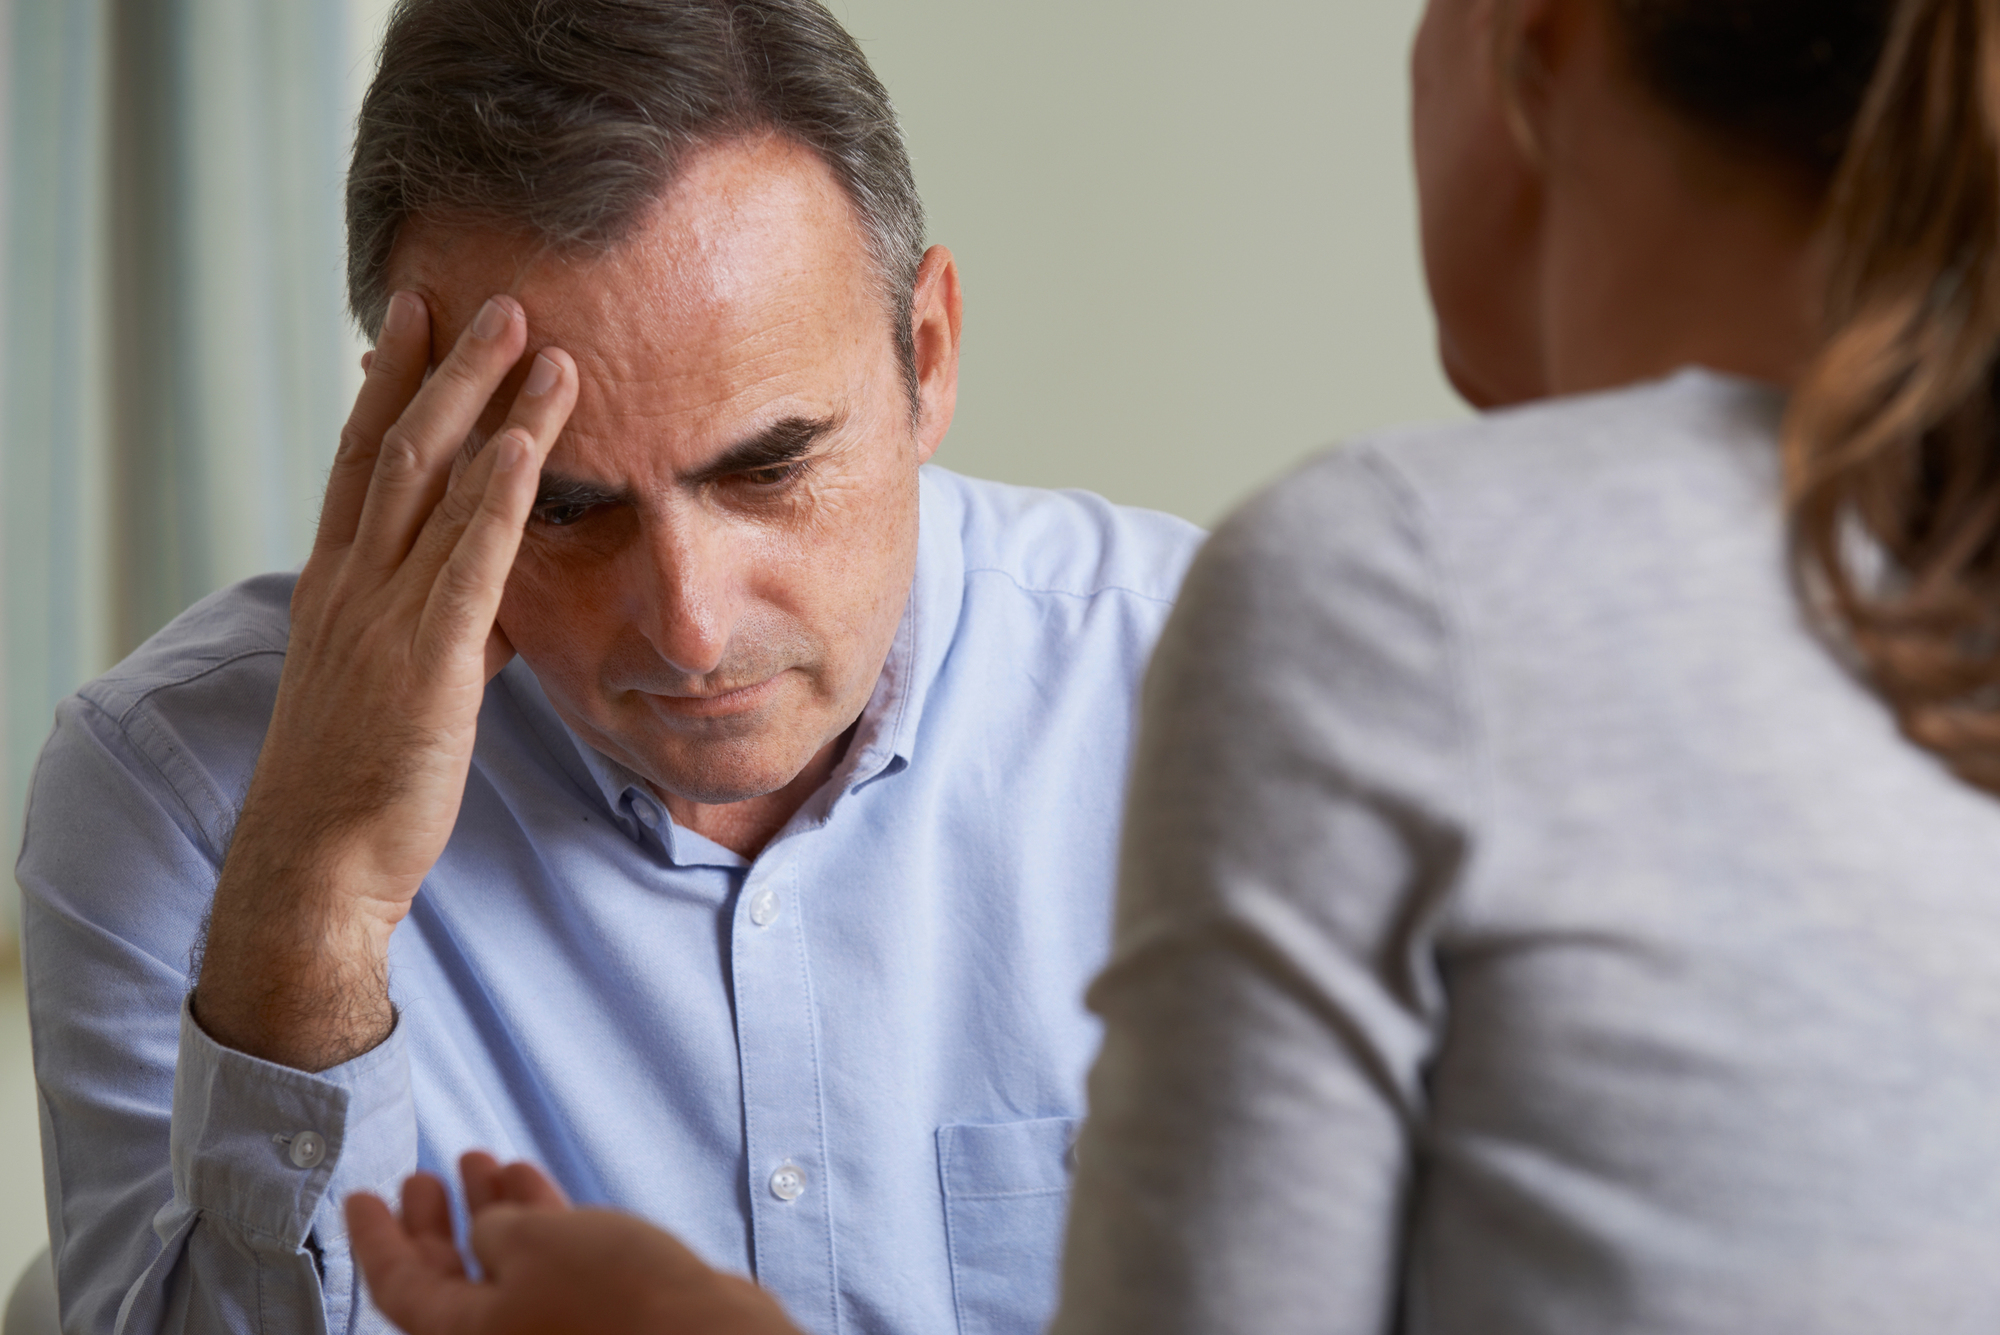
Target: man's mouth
(716, 704)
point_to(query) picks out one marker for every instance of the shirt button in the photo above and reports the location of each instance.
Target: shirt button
(648, 817)
(788, 1183)
(307, 1149)
(764, 907)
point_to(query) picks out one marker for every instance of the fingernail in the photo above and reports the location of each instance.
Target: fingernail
(492, 319)
(542, 377)
(401, 307)
(515, 450)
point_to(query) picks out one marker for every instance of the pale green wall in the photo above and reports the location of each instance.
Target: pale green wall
(1186, 230)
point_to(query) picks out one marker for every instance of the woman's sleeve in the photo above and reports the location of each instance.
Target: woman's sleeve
(1298, 825)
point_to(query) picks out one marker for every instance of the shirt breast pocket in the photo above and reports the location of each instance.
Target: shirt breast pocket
(1006, 1193)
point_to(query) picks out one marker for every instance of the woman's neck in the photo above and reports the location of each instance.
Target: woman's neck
(1659, 252)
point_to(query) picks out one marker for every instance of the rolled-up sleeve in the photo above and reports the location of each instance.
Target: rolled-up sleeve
(263, 1156)
(191, 1188)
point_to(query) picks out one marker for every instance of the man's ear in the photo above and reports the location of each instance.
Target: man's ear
(937, 312)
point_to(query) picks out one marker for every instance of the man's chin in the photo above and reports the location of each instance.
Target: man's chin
(722, 773)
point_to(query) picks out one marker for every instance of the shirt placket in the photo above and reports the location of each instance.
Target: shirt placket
(777, 1039)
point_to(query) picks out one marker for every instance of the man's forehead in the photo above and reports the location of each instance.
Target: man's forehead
(753, 242)
(746, 297)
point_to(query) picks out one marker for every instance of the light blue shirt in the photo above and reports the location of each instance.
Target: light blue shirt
(851, 1066)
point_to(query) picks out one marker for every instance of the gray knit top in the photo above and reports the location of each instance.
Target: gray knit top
(1528, 926)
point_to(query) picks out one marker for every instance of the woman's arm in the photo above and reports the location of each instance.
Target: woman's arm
(1297, 826)
(546, 1269)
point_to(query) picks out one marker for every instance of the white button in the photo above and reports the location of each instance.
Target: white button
(306, 1150)
(789, 1182)
(764, 907)
(647, 816)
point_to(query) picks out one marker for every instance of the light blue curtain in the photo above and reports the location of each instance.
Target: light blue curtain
(177, 361)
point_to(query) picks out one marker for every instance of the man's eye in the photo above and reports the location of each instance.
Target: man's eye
(775, 475)
(561, 514)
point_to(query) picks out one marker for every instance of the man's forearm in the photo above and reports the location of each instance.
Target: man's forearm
(392, 643)
(293, 970)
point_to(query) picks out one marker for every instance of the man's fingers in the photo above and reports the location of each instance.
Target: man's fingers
(465, 595)
(538, 412)
(471, 539)
(414, 460)
(394, 373)
(499, 652)
(496, 1236)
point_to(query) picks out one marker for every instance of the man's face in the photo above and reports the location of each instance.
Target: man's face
(727, 528)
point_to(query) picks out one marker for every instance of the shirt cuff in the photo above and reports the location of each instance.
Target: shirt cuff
(263, 1147)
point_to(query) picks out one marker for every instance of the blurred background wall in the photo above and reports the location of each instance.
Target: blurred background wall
(1186, 233)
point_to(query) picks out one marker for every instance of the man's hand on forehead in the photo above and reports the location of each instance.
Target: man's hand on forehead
(393, 641)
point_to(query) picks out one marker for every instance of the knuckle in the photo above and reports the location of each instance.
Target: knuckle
(305, 596)
(456, 509)
(458, 584)
(400, 455)
(352, 445)
(385, 363)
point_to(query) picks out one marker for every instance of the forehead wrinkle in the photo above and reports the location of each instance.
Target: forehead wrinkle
(576, 466)
(742, 299)
(605, 436)
(679, 401)
(707, 243)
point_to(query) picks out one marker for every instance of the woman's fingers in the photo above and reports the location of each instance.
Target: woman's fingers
(406, 1281)
(488, 1184)
(525, 1184)
(414, 460)
(480, 1172)
(426, 1208)
(381, 1246)
(394, 372)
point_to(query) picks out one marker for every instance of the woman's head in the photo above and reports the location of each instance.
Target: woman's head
(1601, 177)
(1821, 176)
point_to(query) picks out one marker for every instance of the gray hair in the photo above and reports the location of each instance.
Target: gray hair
(568, 118)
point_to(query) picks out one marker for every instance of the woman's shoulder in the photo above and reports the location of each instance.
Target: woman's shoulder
(1667, 463)
(1692, 437)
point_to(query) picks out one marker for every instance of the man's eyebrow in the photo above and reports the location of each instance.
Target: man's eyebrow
(559, 491)
(783, 442)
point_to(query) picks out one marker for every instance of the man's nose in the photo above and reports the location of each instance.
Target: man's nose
(693, 612)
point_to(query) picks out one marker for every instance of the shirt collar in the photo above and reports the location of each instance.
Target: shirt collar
(885, 738)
